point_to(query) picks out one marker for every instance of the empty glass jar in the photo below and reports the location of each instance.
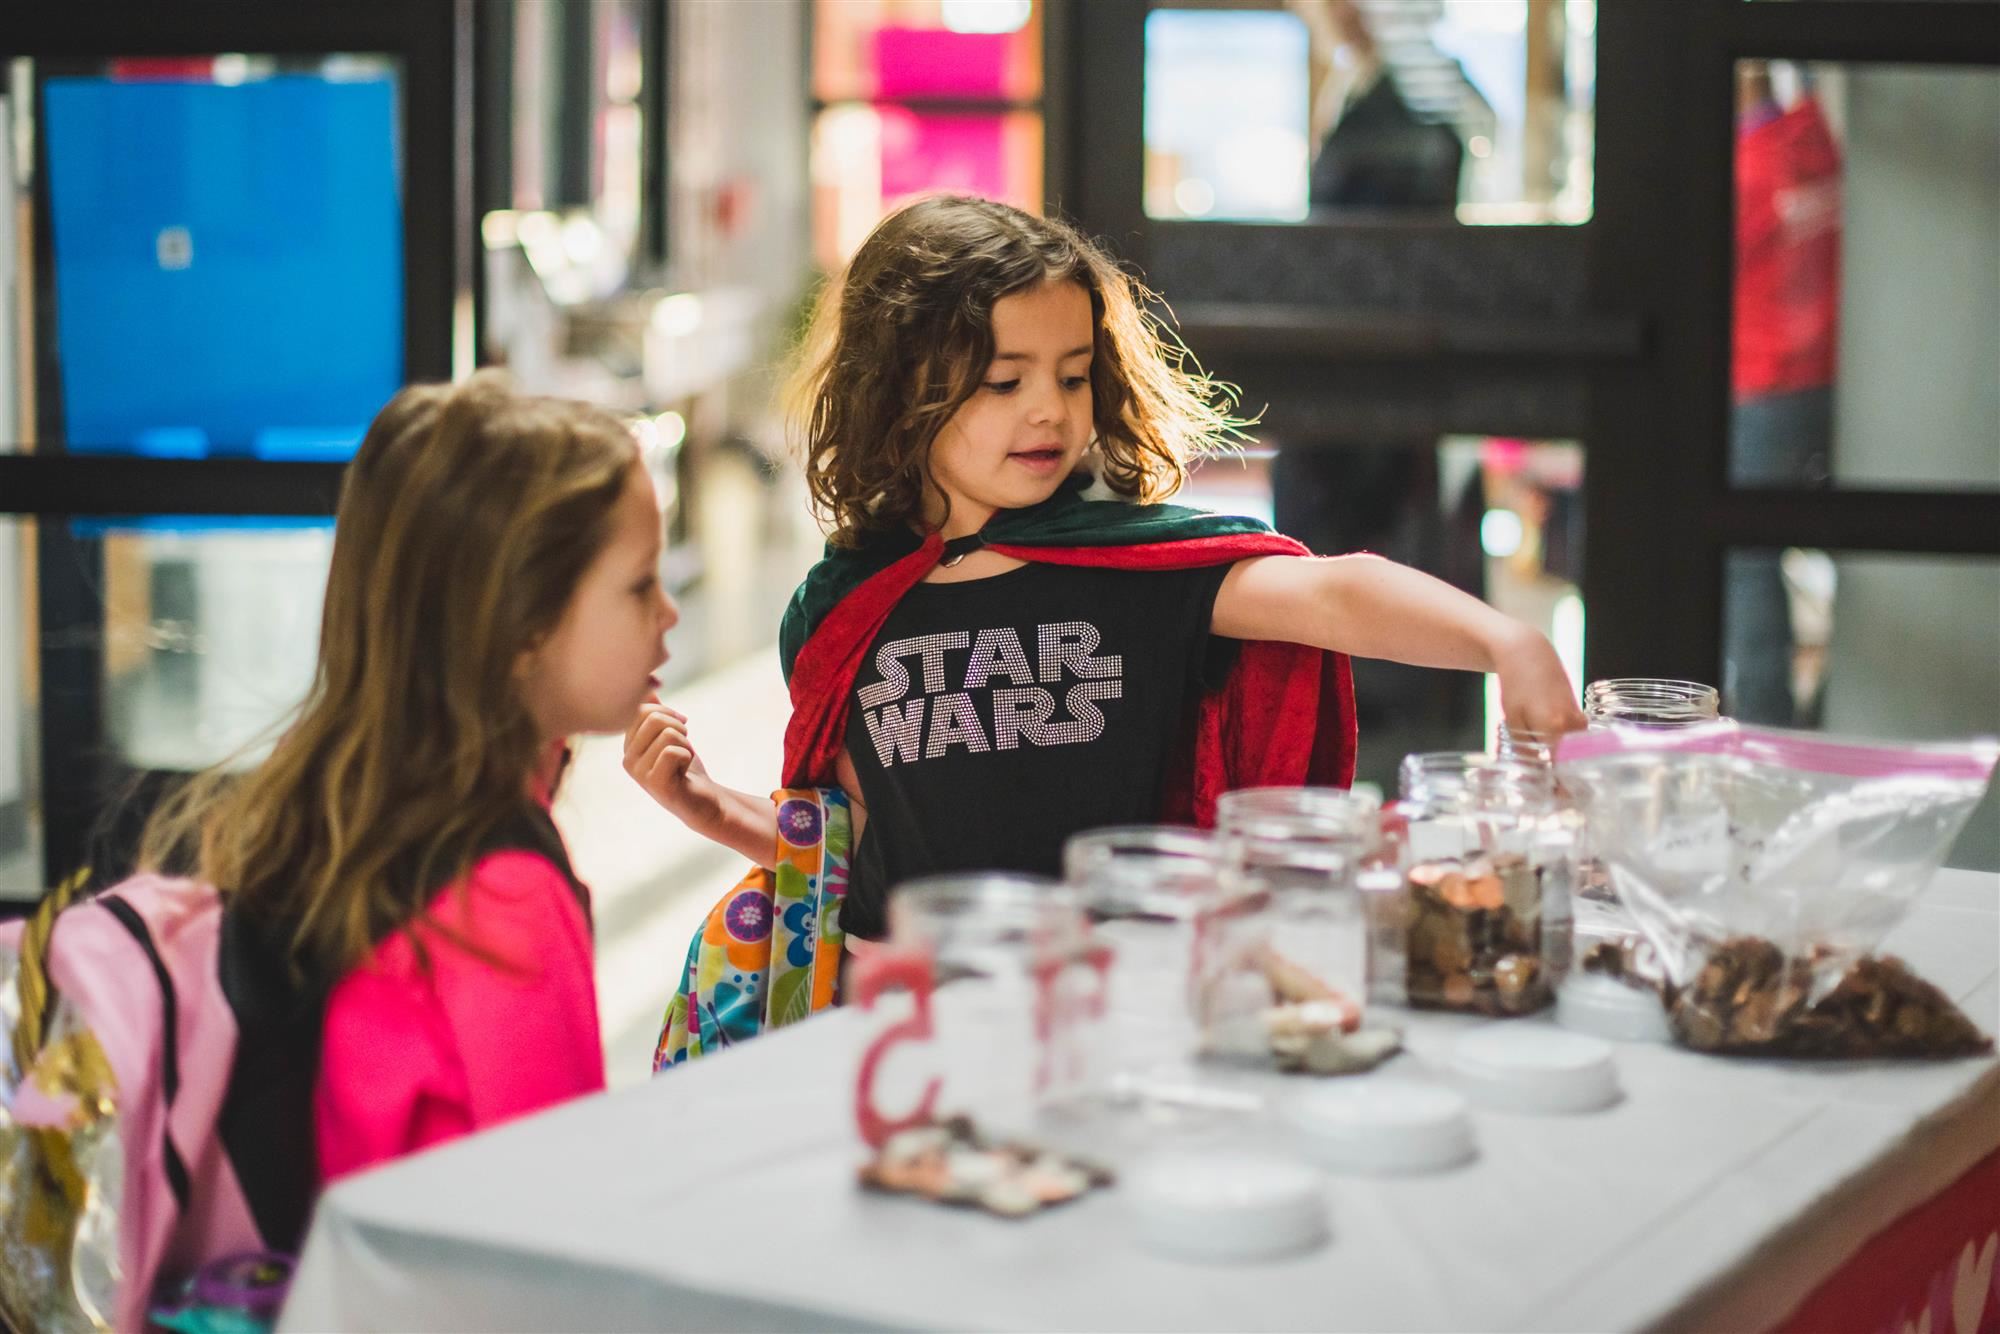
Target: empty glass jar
(1015, 1035)
(1645, 702)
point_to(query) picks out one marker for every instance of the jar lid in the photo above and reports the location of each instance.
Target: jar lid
(1382, 1126)
(1536, 1069)
(1607, 1008)
(1226, 1206)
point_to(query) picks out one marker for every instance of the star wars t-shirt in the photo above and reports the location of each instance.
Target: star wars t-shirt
(994, 718)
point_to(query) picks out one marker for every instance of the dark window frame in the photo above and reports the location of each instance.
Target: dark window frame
(1615, 331)
(436, 172)
(52, 485)
(1662, 592)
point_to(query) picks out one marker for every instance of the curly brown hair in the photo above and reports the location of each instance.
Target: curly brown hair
(901, 339)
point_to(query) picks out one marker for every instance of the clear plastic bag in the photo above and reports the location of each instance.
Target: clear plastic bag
(61, 1179)
(1764, 866)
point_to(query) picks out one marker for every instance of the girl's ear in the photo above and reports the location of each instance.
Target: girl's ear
(528, 662)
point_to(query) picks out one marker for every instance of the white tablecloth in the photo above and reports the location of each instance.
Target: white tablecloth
(1716, 1195)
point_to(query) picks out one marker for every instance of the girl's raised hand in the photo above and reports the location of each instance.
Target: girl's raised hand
(661, 760)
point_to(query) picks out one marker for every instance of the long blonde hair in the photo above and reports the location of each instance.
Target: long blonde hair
(465, 522)
(899, 342)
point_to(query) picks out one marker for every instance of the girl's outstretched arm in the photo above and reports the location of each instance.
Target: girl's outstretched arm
(661, 760)
(1374, 608)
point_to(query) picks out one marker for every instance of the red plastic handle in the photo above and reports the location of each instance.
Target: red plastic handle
(1098, 957)
(874, 973)
(1055, 1013)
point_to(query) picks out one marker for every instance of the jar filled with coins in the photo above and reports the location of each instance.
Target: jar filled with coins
(1485, 858)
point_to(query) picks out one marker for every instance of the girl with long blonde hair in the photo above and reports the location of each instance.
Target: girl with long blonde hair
(494, 590)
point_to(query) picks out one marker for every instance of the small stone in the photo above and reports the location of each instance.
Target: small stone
(1453, 950)
(1700, 1028)
(1351, 1053)
(1010, 1197)
(1426, 931)
(1515, 977)
(1756, 1022)
(1605, 957)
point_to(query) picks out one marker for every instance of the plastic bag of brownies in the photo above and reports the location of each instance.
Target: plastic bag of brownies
(1765, 868)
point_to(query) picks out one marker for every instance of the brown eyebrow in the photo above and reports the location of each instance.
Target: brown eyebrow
(1026, 356)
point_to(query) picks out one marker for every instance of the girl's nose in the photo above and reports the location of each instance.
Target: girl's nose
(670, 611)
(1047, 407)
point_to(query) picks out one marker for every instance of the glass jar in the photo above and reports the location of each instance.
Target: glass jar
(1645, 702)
(1152, 883)
(1602, 924)
(1161, 873)
(1281, 958)
(1621, 702)
(1150, 886)
(1599, 923)
(1484, 856)
(1014, 1037)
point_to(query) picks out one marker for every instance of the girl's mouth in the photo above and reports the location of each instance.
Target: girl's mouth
(1039, 460)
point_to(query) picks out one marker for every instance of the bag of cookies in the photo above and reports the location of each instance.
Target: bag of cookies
(1765, 867)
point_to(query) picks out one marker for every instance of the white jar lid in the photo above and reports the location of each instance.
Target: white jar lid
(1381, 1126)
(1531, 1067)
(1607, 1008)
(1226, 1206)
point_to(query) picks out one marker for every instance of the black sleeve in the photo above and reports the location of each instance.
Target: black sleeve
(1210, 657)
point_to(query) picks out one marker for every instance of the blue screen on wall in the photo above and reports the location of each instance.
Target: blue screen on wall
(228, 263)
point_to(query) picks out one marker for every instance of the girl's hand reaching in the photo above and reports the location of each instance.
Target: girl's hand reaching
(661, 760)
(1535, 692)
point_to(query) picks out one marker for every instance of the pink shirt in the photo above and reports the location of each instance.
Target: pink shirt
(411, 1058)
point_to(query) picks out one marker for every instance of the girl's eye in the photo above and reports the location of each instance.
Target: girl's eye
(644, 586)
(1074, 382)
(1003, 386)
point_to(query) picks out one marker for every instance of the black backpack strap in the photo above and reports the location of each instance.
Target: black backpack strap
(266, 1121)
(170, 1042)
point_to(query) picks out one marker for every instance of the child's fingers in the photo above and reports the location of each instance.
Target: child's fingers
(641, 735)
(649, 757)
(666, 766)
(1548, 717)
(651, 722)
(648, 764)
